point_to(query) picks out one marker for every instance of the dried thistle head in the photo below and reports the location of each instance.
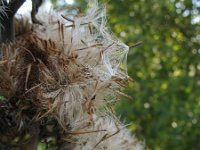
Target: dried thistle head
(66, 74)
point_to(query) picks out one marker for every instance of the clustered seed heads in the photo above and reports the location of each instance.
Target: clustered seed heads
(60, 80)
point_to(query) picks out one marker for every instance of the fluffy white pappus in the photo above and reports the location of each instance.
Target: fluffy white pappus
(95, 59)
(107, 135)
(88, 37)
(91, 59)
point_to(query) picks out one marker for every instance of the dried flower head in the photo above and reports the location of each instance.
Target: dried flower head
(65, 75)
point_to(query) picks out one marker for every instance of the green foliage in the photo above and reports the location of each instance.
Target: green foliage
(165, 109)
(1, 98)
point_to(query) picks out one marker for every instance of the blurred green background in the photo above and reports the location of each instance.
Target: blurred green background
(165, 106)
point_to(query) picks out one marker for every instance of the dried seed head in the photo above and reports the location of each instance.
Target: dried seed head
(70, 70)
